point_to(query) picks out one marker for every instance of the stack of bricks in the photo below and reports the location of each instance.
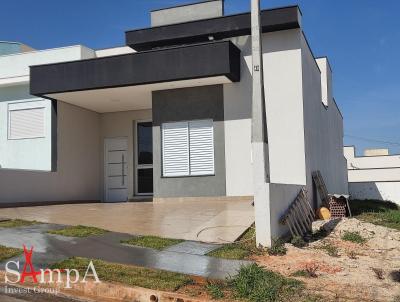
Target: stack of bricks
(337, 207)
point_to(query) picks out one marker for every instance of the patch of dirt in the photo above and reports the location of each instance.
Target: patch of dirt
(350, 276)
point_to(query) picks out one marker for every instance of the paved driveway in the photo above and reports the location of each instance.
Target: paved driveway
(207, 221)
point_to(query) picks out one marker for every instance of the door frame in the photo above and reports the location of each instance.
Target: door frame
(105, 178)
(136, 165)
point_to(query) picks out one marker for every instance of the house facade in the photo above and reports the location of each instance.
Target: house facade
(168, 116)
(375, 175)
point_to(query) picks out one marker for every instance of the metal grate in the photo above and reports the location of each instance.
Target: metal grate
(299, 216)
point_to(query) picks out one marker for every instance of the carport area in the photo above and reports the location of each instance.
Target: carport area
(214, 221)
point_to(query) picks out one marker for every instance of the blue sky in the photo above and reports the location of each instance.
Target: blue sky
(360, 37)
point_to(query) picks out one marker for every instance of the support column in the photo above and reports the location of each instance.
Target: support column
(259, 136)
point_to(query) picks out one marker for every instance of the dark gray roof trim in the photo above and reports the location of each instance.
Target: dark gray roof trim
(220, 28)
(172, 64)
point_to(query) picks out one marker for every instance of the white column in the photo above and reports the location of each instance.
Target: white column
(259, 136)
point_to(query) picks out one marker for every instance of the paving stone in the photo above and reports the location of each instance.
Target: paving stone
(193, 247)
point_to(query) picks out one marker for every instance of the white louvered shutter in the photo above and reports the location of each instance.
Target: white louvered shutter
(175, 149)
(26, 123)
(201, 142)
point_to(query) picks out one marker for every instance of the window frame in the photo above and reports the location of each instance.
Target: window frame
(189, 163)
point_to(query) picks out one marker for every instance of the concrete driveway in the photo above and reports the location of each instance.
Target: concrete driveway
(207, 221)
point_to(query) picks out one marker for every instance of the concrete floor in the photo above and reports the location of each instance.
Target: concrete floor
(206, 221)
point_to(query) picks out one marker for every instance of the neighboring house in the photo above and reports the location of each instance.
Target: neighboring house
(171, 116)
(376, 175)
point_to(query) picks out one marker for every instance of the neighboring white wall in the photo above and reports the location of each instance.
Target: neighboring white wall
(77, 175)
(376, 152)
(114, 51)
(121, 124)
(373, 177)
(388, 191)
(17, 65)
(28, 154)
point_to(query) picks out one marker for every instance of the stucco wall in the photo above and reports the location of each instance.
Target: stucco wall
(237, 115)
(323, 129)
(77, 175)
(284, 110)
(184, 105)
(121, 124)
(283, 98)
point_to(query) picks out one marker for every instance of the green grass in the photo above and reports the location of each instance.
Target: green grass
(353, 237)
(300, 273)
(128, 275)
(152, 242)
(215, 290)
(330, 249)
(8, 252)
(78, 231)
(278, 248)
(15, 223)
(239, 250)
(382, 213)
(255, 284)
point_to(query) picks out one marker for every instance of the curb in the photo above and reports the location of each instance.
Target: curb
(107, 292)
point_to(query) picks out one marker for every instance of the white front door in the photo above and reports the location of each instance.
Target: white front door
(116, 169)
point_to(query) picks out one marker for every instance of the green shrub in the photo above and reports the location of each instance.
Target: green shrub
(298, 241)
(278, 248)
(353, 237)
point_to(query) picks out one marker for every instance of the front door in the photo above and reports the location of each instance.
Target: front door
(144, 158)
(116, 169)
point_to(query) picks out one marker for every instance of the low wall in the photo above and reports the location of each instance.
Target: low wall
(281, 197)
(376, 190)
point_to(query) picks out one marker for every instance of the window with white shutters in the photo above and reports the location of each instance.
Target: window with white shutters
(26, 123)
(201, 143)
(188, 148)
(175, 149)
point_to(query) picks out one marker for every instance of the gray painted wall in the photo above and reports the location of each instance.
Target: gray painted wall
(323, 130)
(205, 102)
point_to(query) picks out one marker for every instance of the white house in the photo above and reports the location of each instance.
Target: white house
(169, 114)
(376, 175)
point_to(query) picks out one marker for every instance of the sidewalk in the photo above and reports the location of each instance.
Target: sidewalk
(187, 257)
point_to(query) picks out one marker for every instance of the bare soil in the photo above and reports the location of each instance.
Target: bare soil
(353, 274)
